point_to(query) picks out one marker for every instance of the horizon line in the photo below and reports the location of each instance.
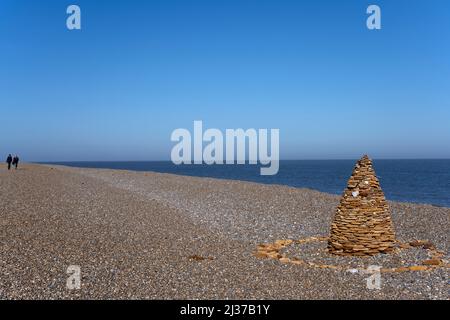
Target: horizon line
(328, 159)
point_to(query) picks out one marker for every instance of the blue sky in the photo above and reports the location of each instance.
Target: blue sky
(137, 70)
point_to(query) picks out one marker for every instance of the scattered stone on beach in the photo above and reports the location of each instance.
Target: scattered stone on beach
(362, 224)
(313, 256)
(422, 243)
(418, 268)
(196, 257)
(432, 262)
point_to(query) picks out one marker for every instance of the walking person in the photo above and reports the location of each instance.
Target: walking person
(15, 161)
(8, 161)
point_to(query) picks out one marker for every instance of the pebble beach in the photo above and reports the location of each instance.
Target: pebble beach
(145, 235)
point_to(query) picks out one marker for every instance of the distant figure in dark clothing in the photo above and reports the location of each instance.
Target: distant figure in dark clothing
(8, 161)
(15, 161)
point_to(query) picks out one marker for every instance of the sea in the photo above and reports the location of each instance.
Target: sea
(417, 181)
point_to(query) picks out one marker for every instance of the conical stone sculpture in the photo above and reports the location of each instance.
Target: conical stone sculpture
(362, 224)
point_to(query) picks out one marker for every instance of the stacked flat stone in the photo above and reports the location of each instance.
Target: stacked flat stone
(362, 224)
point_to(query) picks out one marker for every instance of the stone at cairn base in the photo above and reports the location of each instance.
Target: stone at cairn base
(362, 224)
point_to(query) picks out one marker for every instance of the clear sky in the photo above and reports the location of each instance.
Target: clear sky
(137, 70)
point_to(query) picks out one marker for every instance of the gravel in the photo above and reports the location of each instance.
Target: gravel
(143, 235)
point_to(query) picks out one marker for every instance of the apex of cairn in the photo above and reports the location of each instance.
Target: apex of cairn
(362, 223)
(365, 159)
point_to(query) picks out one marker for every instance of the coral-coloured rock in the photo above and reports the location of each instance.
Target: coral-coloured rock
(432, 262)
(261, 254)
(418, 268)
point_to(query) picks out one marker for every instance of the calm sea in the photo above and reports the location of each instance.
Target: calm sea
(420, 181)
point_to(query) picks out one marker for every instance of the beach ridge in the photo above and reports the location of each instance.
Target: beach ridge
(153, 235)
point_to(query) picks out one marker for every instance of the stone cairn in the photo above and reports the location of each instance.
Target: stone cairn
(362, 224)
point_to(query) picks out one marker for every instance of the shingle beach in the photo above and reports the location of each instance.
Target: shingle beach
(145, 235)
